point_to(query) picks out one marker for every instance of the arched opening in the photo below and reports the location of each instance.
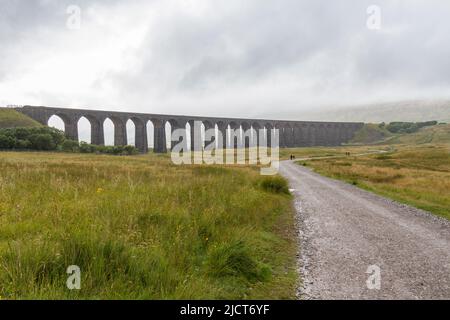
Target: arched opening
(187, 128)
(131, 133)
(234, 135)
(150, 134)
(267, 135)
(108, 129)
(84, 130)
(222, 132)
(56, 122)
(168, 128)
(256, 128)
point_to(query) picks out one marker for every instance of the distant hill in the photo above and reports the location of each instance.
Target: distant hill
(10, 118)
(373, 134)
(414, 111)
(434, 134)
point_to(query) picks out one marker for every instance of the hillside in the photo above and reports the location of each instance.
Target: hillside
(370, 133)
(413, 111)
(10, 118)
(436, 134)
(373, 134)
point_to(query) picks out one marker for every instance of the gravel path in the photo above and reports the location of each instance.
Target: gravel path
(344, 230)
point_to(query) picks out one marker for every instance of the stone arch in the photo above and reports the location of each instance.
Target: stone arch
(136, 130)
(297, 134)
(108, 131)
(70, 124)
(311, 134)
(288, 135)
(97, 130)
(304, 139)
(207, 125)
(57, 122)
(281, 139)
(171, 125)
(268, 133)
(329, 134)
(256, 127)
(320, 134)
(234, 134)
(120, 130)
(159, 136)
(246, 134)
(150, 129)
(131, 132)
(222, 127)
(84, 129)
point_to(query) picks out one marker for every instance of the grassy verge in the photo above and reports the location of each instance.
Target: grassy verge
(418, 175)
(141, 228)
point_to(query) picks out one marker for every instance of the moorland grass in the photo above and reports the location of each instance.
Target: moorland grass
(418, 175)
(10, 118)
(141, 228)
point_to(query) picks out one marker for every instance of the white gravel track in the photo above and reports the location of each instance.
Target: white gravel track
(344, 230)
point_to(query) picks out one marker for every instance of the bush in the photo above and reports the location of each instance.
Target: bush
(6, 142)
(22, 144)
(118, 150)
(408, 127)
(37, 138)
(46, 138)
(87, 148)
(275, 184)
(130, 150)
(70, 146)
(42, 142)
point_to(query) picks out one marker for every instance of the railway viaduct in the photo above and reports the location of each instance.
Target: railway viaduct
(292, 133)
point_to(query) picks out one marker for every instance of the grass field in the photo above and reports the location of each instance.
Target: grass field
(318, 152)
(10, 118)
(142, 228)
(418, 175)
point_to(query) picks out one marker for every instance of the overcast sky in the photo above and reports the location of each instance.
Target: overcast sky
(243, 58)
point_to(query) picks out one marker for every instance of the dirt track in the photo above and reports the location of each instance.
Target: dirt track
(344, 230)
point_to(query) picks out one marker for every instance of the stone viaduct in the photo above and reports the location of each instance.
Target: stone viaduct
(292, 133)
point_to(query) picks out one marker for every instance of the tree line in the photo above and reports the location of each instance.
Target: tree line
(51, 139)
(407, 127)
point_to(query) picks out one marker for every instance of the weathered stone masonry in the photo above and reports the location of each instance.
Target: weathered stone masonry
(292, 133)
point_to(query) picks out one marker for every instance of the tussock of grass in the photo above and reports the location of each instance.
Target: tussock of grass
(275, 185)
(141, 228)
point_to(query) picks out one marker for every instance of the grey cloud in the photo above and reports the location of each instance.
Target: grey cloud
(226, 59)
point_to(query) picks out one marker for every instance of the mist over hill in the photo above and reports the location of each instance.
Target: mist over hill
(415, 111)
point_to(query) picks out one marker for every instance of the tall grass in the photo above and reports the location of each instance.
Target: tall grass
(418, 175)
(141, 228)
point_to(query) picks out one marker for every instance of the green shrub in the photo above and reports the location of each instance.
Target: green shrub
(275, 184)
(36, 138)
(87, 148)
(130, 150)
(47, 139)
(408, 127)
(42, 142)
(70, 146)
(6, 142)
(22, 144)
